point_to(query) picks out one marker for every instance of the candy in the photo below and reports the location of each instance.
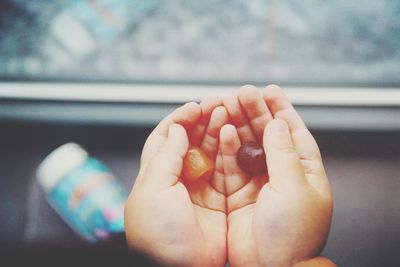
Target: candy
(251, 158)
(196, 164)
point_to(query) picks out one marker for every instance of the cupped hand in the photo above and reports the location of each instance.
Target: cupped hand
(283, 217)
(175, 222)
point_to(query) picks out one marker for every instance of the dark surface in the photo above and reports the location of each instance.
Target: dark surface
(347, 118)
(363, 169)
(83, 255)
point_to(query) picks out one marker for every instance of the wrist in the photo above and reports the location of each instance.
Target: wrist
(315, 262)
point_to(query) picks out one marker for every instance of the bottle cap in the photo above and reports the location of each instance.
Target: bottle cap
(59, 163)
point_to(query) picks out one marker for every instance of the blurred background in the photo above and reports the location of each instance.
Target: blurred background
(337, 43)
(102, 73)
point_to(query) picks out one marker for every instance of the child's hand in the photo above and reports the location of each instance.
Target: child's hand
(282, 219)
(177, 223)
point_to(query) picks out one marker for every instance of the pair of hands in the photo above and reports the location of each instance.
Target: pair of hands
(277, 219)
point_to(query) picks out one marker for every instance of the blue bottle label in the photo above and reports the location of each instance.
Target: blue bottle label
(91, 201)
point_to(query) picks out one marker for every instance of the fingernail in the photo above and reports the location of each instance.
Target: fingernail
(172, 129)
(176, 129)
(278, 125)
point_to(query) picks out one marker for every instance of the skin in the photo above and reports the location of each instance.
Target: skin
(175, 222)
(280, 220)
(283, 219)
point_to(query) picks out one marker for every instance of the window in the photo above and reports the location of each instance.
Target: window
(335, 43)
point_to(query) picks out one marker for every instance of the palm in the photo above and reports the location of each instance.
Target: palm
(278, 223)
(207, 219)
(190, 228)
(200, 231)
(267, 225)
(204, 203)
(244, 224)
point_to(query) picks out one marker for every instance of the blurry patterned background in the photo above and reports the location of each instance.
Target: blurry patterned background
(309, 42)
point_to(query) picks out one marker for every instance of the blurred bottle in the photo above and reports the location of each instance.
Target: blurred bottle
(84, 26)
(84, 192)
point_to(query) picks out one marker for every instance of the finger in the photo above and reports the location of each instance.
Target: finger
(186, 115)
(255, 109)
(304, 142)
(247, 195)
(218, 179)
(235, 178)
(210, 143)
(281, 108)
(238, 118)
(207, 105)
(284, 166)
(165, 168)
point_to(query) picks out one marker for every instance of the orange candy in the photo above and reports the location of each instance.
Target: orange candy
(196, 164)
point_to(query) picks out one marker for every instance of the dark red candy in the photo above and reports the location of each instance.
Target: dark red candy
(251, 158)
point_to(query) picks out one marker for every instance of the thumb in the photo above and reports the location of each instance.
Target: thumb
(165, 167)
(284, 166)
